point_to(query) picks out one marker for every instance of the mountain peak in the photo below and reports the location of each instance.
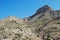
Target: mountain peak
(41, 10)
(44, 8)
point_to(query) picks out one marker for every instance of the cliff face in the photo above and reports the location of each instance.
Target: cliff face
(43, 25)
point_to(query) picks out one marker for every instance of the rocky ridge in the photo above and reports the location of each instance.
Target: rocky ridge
(43, 25)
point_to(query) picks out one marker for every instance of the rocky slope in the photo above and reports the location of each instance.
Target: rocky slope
(43, 25)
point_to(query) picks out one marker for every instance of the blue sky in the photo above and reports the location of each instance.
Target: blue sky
(24, 8)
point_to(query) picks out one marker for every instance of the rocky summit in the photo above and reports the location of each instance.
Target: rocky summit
(43, 25)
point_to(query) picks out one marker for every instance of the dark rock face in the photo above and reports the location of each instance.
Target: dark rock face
(46, 12)
(42, 9)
